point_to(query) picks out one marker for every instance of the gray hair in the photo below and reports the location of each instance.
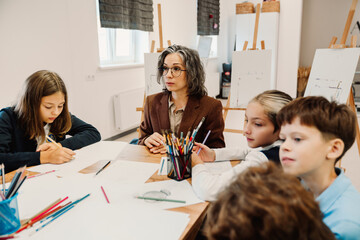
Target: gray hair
(195, 74)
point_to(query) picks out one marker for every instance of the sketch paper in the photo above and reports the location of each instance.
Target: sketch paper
(250, 75)
(121, 171)
(332, 73)
(151, 84)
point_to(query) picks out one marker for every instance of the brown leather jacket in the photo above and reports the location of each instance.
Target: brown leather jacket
(156, 118)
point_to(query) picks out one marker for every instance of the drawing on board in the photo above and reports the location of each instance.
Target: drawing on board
(251, 75)
(332, 73)
(151, 84)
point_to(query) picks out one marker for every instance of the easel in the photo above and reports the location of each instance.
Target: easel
(138, 109)
(350, 101)
(227, 107)
(160, 34)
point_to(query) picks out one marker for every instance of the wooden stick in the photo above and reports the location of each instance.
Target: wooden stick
(351, 103)
(152, 46)
(263, 45)
(256, 25)
(353, 41)
(226, 108)
(332, 42)
(245, 45)
(348, 22)
(160, 28)
(169, 43)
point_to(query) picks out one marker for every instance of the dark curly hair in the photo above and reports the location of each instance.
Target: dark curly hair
(266, 203)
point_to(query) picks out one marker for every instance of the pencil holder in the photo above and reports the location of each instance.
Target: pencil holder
(9, 216)
(179, 167)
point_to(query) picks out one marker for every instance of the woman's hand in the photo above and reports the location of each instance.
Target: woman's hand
(160, 149)
(155, 143)
(206, 154)
(57, 155)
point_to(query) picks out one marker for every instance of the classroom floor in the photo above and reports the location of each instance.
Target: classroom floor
(351, 160)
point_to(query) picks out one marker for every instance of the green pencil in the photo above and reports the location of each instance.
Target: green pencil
(161, 199)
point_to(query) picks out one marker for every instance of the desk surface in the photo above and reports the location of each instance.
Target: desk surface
(196, 212)
(137, 153)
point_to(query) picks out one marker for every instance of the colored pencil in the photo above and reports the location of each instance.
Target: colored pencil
(162, 165)
(51, 220)
(40, 174)
(206, 137)
(48, 210)
(160, 199)
(3, 178)
(52, 140)
(102, 189)
(103, 168)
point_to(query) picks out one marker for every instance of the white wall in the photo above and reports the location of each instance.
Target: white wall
(61, 36)
(318, 29)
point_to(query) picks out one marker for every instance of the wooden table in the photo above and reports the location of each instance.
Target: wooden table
(197, 212)
(138, 153)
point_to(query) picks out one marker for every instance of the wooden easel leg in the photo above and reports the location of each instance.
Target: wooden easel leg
(333, 41)
(245, 45)
(142, 114)
(152, 46)
(353, 41)
(352, 106)
(226, 110)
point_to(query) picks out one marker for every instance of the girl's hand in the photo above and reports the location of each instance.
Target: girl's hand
(154, 140)
(195, 159)
(206, 154)
(56, 156)
(47, 146)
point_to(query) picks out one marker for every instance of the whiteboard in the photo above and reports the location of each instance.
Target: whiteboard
(332, 73)
(250, 75)
(151, 84)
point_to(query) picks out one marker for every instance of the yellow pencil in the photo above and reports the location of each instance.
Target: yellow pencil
(51, 140)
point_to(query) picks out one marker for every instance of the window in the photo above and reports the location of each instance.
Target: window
(213, 48)
(121, 46)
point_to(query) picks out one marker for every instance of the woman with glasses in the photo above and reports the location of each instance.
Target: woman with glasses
(182, 104)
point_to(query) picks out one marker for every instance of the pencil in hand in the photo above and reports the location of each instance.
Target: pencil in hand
(52, 141)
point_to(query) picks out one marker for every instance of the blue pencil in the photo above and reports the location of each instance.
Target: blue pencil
(55, 214)
(42, 226)
(162, 164)
(206, 137)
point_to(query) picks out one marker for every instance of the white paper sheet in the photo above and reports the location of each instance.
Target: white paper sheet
(93, 221)
(125, 193)
(122, 171)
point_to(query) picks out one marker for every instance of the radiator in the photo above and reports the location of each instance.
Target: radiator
(125, 104)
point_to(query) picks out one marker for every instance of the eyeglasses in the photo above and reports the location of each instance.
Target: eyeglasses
(175, 71)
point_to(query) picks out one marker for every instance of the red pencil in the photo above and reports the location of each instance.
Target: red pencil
(105, 194)
(40, 174)
(48, 210)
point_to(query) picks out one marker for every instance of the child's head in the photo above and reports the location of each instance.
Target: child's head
(261, 128)
(43, 100)
(315, 131)
(266, 203)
